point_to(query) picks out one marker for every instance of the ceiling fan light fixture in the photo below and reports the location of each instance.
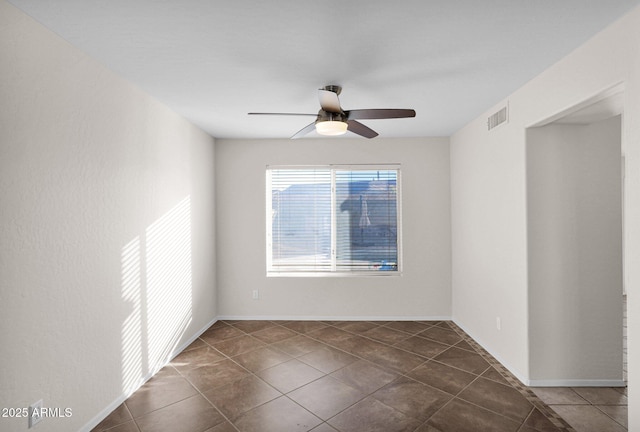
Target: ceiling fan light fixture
(332, 120)
(331, 127)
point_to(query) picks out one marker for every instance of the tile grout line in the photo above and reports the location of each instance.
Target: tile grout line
(547, 411)
(249, 372)
(226, 358)
(598, 408)
(205, 398)
(329, 345)
(427, 360)
(282, 394)
(401, 373)
(365, 395)
(454, 397)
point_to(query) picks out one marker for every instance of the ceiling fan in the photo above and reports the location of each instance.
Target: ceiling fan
(332, 120)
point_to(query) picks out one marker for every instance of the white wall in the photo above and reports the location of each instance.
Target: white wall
(423, 290)
(489, 217)
(489, 279)
(575, 253)
(102, 188)
(107, 229)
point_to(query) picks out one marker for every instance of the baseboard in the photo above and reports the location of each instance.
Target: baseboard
(332, 318)
(120, 399)
(546, 383)
(531, 383)
(576, 383)
(123, 397)
(524, 380)
(189, 341)
(95, 421)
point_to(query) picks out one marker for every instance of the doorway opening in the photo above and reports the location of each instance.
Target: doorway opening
(577, 307)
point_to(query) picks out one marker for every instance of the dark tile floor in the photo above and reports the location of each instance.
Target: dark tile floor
(288, 376)
(588, 409)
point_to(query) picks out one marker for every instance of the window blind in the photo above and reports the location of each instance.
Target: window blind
(332, 219)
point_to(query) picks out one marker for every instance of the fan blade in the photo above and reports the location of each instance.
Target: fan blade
(367, 114)
(329, 101)
(360, 129)
(305, 130)
(282, 114)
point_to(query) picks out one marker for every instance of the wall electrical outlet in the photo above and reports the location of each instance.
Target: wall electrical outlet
(255, 294)
(35, 413)
(498, 323)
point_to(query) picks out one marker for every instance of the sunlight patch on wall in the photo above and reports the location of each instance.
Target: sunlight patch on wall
(168, 281)
(131, 328)
(157, 284)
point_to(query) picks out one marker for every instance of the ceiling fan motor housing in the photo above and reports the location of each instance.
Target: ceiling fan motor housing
(331, 116)
(333, 88)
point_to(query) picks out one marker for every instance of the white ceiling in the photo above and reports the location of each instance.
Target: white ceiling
(213, 61)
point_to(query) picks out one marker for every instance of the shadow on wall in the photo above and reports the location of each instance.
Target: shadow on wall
(157, 284)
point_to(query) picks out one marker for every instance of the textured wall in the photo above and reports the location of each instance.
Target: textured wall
(107, 229)
(423, 290)
(488, 189)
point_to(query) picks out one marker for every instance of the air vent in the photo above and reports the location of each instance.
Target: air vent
(498, 118)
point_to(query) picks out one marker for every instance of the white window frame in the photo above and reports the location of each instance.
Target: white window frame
(334, 272)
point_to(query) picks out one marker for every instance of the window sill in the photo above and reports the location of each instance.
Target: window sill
(382, 273)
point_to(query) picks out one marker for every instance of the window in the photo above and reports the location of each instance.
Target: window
(333, 220)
